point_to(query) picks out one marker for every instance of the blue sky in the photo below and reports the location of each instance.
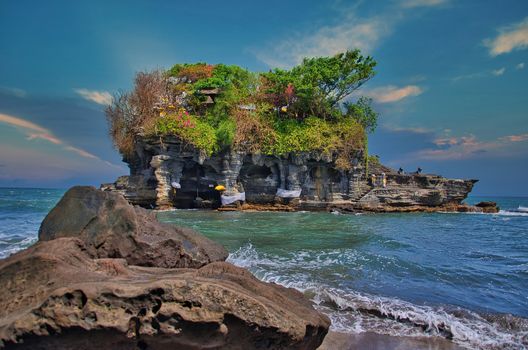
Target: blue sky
(451, 84)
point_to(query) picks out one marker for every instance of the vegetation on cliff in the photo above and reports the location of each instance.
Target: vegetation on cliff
(216, 106)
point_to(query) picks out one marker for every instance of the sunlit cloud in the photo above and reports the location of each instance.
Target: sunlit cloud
(21, 123)
(422, 3)
(498, 72)
(516, 138)
(414, 130)
(468, 146)
(510, 38)
(81, 152)
(47, 137)
(446, 141)
(34, 132)
(100, 97)
(388, 94)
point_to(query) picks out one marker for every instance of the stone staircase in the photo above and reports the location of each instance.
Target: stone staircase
(360, 189)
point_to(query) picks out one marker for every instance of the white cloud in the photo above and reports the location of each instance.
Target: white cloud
(520, 66)
(422, 3)
(350, 33)
(513, 37)
(388, 94)
(498, 72)
(99, 97)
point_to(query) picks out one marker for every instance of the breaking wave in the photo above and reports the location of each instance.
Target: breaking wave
(355, 312)
(512, 213)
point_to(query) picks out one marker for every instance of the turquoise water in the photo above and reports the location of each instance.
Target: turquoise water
(461, 276)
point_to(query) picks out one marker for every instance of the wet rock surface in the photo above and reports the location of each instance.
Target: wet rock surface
(67, 292)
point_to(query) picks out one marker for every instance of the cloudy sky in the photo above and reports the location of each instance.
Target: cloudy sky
(451, 84)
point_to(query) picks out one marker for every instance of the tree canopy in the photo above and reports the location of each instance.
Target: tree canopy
(305, 108)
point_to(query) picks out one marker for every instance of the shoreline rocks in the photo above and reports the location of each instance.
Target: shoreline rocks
(85, 285)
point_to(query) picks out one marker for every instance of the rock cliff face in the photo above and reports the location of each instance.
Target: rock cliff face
(101, 277)
(164, 173)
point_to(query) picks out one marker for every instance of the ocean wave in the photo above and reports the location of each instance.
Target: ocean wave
(500, 213)
(12, 248)
(248, 257)
(355, 312)
(511, 213)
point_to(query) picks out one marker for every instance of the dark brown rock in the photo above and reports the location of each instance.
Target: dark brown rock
(112, 228)
(58, 295)
(488, 207)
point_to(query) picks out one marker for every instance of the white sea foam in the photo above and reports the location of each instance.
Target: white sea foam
(355, 312)
(15, 247)
(523, 209)
(511, 213)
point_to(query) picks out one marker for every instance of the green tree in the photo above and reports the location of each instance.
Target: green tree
(320, 83)
(363, 113)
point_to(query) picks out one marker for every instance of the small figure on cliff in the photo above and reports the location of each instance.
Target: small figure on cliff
(383, 180)
(400, 171)
(419, 170)
(373, 179)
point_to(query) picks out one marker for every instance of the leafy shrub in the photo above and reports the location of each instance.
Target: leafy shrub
(190, 129)
(225, 132)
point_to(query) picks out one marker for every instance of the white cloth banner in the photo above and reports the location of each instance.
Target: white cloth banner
(288, 193)
(231, 199)
(175, 184)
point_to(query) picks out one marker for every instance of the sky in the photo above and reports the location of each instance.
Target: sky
(451, 84)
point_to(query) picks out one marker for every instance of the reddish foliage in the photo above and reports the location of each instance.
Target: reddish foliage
(197, 72)
(289, 92)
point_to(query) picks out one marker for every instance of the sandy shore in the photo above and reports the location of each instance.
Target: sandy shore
(373, 341)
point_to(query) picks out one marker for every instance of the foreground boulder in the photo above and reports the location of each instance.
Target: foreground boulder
(57, 296)
(112, 228)
(102, 277)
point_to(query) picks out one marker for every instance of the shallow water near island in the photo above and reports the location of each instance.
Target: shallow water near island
(457, 276)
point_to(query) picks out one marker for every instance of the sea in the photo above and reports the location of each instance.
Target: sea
(459, 276)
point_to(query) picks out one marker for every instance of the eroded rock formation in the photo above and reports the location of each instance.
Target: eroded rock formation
(80, 287)
(112, 228)
(166, 173)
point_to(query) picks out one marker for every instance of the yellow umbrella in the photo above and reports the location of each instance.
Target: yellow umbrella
(220, 188)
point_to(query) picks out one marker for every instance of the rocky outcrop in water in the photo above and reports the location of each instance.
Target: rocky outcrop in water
(101, 277)
(165, 173)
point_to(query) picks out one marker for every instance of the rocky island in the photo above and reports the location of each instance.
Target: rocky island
(217, 136)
